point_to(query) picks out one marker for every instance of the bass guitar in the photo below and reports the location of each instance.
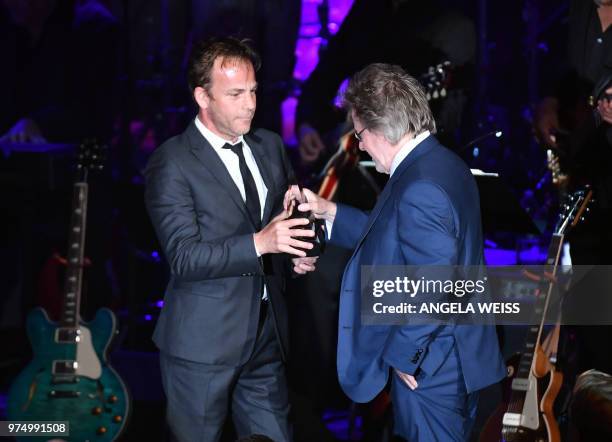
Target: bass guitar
(69, 378)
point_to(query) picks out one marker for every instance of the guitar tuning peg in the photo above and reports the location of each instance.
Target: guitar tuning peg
(582, 218)
(435, 94)
(428, 96)
(588, 209)
(443, 92)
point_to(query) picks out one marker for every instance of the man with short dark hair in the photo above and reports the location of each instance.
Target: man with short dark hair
(427, 214)
(212, 194)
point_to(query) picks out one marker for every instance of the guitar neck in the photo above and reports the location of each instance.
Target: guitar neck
(75, 257)
(534, 333)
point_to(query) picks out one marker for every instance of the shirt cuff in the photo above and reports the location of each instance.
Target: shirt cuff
(255, 246)
(328, 229)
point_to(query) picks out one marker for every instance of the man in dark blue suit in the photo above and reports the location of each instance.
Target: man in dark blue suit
(427, 214)
(212, 194)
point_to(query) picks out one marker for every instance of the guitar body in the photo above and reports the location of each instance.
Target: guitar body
(546, 406)
(493, 427)
(547, 429)
(93, 400)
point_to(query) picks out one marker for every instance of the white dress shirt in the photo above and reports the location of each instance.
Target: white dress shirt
(230, 159)
(406, 149)
(231, 162)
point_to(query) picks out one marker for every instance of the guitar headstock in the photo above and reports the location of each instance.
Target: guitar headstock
(91, 155)
(436, 80)
(574, 210)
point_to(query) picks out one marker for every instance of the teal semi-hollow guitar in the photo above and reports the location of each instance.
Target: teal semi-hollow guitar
(69, 378)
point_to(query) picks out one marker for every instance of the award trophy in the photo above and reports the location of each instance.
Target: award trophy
(316, 225)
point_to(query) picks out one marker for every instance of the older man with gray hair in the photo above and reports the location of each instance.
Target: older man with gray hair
(427, 214)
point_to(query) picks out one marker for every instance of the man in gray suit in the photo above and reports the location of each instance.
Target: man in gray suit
(212, 193)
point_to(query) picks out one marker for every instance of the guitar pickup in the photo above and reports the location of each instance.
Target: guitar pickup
(520, 384)
(62, 379)
(66, 335)
(63, 394)
(65, 367)
(512, 419)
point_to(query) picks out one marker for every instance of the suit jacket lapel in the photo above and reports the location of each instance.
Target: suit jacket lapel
(261, 158)
(205, 153)
(422, 148)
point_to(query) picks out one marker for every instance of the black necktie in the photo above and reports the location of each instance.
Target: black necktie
(250, 190)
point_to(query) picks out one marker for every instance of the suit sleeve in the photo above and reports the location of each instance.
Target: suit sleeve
(348, 226)
(170, 205)
(427, 237)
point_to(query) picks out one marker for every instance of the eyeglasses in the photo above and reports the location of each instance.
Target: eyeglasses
(358, 135)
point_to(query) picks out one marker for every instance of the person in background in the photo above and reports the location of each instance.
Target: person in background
(565, 122)
(60, 62)
(414, 35)
(57, 83)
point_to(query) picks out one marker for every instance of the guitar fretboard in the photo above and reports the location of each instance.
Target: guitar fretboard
(75, 257)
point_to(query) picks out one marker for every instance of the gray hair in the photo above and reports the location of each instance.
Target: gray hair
(389, 101)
